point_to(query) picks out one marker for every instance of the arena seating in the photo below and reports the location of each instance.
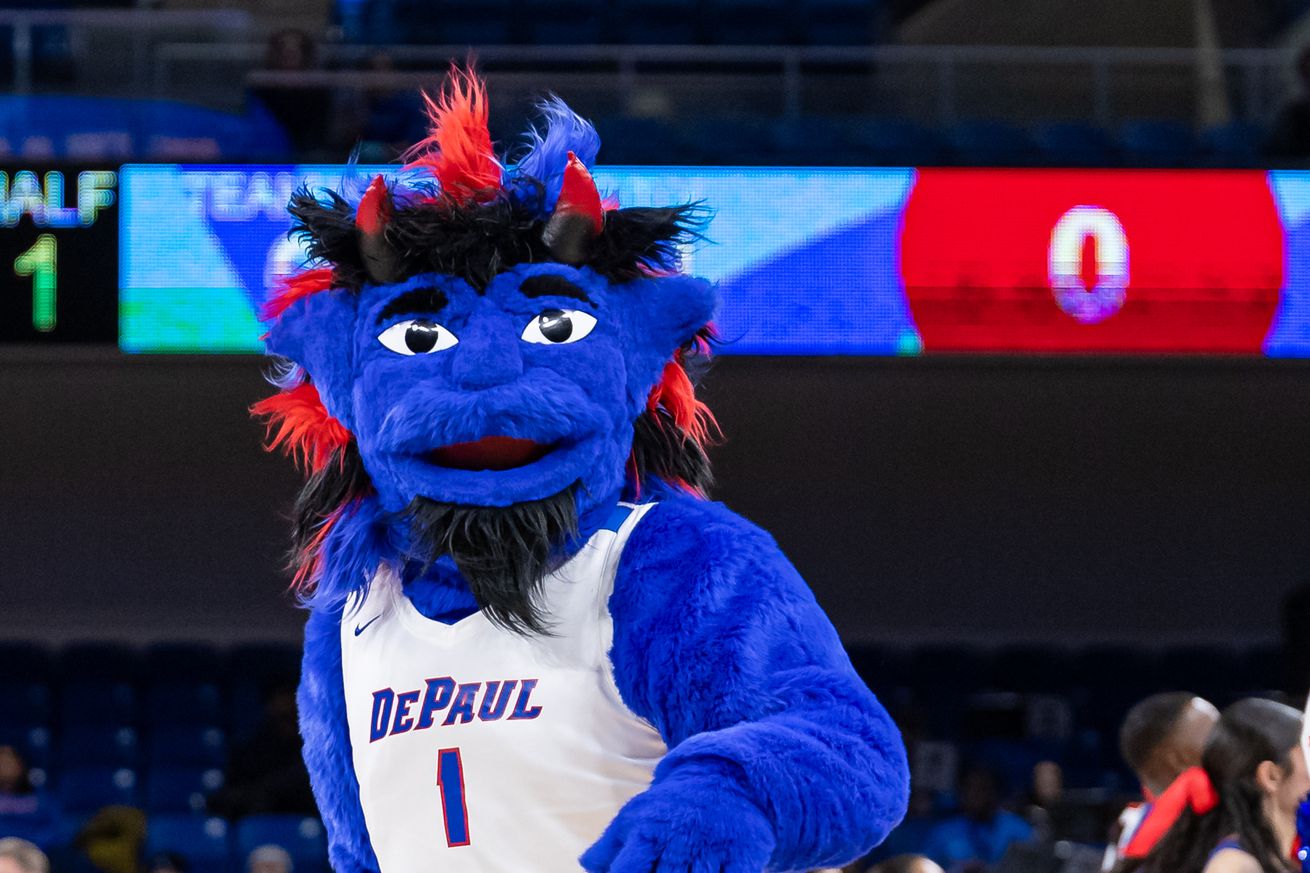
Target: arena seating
(203, 841)
(894, 141)
(105, 723)
(636, 22)
(165, 130)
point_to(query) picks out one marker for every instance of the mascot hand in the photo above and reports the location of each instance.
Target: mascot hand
(685, 823)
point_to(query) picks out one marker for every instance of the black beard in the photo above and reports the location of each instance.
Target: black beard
(503, 553)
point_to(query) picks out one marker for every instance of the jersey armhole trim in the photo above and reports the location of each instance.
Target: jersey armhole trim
(605, 638)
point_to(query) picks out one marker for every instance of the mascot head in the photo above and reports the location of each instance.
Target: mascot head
(482, 354)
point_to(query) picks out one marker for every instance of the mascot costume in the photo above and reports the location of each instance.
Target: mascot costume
(533, 644)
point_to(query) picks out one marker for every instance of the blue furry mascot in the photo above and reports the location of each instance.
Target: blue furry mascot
(533, 644)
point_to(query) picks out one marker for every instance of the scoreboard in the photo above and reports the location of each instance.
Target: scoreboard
(809, 261)
(59, 238)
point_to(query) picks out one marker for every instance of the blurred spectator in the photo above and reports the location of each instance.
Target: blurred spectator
(1046, 800)
(1239, 813)
(113, 838)
(895, 864)
(303, 111)
(24, 811)
(980, 833)
(1161, 737)
(167, 862)
(269, 859)
(912, 833)
(906, 864)
(385, 120)
(20, 856)
(1165, 734)
(266, 775)
(1289, 137)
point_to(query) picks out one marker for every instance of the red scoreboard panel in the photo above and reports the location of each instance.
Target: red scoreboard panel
(1092, 261)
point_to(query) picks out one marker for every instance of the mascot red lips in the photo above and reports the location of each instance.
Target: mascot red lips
(489, 453)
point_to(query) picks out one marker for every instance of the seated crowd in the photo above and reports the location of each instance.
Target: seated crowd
(1221, 792)
(1011, 772)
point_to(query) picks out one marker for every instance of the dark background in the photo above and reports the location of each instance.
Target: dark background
(928, 499)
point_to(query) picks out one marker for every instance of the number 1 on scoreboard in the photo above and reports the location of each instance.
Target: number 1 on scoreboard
(454, 810)
(39, 263)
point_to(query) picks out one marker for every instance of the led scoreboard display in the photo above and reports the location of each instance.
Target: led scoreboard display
(59, 237)
(168, 258)
(831, 261)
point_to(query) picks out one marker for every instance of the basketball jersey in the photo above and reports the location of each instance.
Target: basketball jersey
(1129, 821)
(478, 749)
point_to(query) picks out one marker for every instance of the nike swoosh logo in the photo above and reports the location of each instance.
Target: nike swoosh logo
(360, 628)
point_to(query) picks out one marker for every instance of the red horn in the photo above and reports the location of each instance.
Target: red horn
(371, 219)
(578, 217)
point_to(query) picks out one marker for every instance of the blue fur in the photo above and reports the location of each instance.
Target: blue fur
(322, 703)
(779, 756)
(351, 554)
(583, 396)
(722, 647)
(547, 156)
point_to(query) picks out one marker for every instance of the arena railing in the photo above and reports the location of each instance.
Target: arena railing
(938, 84)
(213, 56)
(134, 31)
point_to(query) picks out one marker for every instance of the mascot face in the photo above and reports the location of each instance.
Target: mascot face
(482, 357)
(496, 396)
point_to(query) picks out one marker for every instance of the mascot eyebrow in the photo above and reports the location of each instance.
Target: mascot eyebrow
(553, 286)
(426, 300)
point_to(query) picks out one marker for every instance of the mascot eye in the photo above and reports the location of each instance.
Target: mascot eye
(418, 336)
(558, 326)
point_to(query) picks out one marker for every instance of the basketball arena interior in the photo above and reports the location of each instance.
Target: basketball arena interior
(1008, 357)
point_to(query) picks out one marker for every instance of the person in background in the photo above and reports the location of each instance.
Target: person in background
(1242, 801)
(1289, 137)
(22, 856)
(906, 864)
(113, 838)
(909, 836)
(1161, 738)
(895, 864)
(381, 119)
(269, 859)
(1045, 800)
(303, 110)
(1164, 735)
(24, 811)
(266, 774)
(982, 831)
(167, 862)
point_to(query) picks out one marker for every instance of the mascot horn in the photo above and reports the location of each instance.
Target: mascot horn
(533, 644)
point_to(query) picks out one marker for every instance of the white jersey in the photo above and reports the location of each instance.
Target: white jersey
(478, 749)
(1129, 821)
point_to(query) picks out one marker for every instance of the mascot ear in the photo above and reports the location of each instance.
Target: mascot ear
(317, 332)
(665, 313)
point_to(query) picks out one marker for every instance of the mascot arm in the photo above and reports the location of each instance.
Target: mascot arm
(779, 756)
(322, 704)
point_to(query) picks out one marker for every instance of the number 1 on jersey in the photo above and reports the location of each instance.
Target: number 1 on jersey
(450, 779)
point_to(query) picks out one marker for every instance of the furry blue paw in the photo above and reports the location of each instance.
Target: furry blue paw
(687, 825)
